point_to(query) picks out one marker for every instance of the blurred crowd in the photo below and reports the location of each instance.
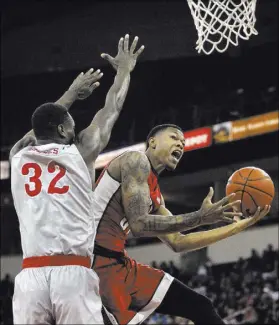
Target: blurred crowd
(244, 292)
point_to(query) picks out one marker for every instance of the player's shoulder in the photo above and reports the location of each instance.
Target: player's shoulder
(18, 152)
(134, 157)
(135, 162)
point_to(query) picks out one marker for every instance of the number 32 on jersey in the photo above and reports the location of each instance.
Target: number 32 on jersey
(34, 185)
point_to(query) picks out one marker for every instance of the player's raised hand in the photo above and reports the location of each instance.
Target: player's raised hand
(217, 212)
(126, 57)
(85, 83)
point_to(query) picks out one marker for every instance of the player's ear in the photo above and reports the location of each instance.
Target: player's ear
(152, 142)
(61, 130)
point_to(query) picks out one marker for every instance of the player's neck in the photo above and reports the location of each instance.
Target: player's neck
(155, 163)
(43, 141)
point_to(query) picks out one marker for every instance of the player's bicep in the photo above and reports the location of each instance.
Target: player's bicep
(135, 198)
(135, 170)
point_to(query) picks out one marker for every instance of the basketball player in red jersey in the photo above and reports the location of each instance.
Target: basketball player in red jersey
(127, 198)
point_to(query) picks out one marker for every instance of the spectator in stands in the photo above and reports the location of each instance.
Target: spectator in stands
(269, 257)
(254, 262)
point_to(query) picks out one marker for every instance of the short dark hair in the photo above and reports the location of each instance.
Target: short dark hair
(46, 119)
(158, 129)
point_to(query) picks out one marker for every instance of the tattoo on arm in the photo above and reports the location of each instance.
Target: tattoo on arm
(169, 224)
(135, 169)
(134, 174)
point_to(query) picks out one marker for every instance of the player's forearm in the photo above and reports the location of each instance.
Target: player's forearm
(198, 240)
(156, 225)
(118, 91)
(108, 115)
(67, 99)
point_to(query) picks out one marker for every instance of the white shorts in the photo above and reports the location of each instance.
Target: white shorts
(57, 294)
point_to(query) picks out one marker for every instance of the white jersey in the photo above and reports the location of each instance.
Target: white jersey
(52, 193)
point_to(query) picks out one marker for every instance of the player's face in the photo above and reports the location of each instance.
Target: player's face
(170, 147)
(69, 128)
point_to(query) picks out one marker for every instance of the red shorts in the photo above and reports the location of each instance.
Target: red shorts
(130, 292)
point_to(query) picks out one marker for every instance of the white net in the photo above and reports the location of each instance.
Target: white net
(220, 23)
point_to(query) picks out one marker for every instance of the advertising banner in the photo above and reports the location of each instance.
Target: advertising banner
(255, 125)
(197, 139)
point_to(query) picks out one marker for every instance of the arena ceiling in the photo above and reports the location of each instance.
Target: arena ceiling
(45, 36)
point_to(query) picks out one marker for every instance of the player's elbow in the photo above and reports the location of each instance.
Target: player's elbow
(176, 248)
(136, 230)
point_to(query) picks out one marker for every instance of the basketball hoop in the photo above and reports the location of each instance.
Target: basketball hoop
(220, 23)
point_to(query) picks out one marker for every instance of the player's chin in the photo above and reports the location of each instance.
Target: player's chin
(170, 166)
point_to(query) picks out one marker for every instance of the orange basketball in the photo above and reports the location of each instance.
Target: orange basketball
(253, 186)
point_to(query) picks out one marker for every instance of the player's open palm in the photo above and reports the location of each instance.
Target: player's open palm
(126, 56)
(217, 212)
(85, 83)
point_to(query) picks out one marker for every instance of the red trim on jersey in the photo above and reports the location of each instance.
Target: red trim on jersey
(154, 189)
(56, 260)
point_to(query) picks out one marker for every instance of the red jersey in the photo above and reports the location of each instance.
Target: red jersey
(112, 225)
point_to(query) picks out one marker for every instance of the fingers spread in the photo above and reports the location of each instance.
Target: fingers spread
(89, 72)
(224, 200)
(80, 75)
(235, 205)
(107, 57)
(134, 44)
(232, 214)
(97, 73)
(228, 220)
(139, 51)
(126, 43)
(120, 44)
(210, 194)
(95, 85)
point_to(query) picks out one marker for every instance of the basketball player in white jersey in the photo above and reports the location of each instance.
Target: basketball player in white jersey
(52, 192)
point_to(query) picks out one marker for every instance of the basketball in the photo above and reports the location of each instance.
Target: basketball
(253, 186)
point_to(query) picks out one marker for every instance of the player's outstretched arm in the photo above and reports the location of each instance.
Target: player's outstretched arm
(81, 88)
(135, 169)
(93, 139)
(194, 241)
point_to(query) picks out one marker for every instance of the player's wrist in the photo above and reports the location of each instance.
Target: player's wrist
(123, 69)
(72, 92)
(243, 224)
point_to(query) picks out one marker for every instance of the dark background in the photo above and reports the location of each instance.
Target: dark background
(46, 44)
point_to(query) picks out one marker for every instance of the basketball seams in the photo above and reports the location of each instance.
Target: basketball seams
(242, 193)
(252, 199)
(244, 185)
(252, 180)
(255, 188)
